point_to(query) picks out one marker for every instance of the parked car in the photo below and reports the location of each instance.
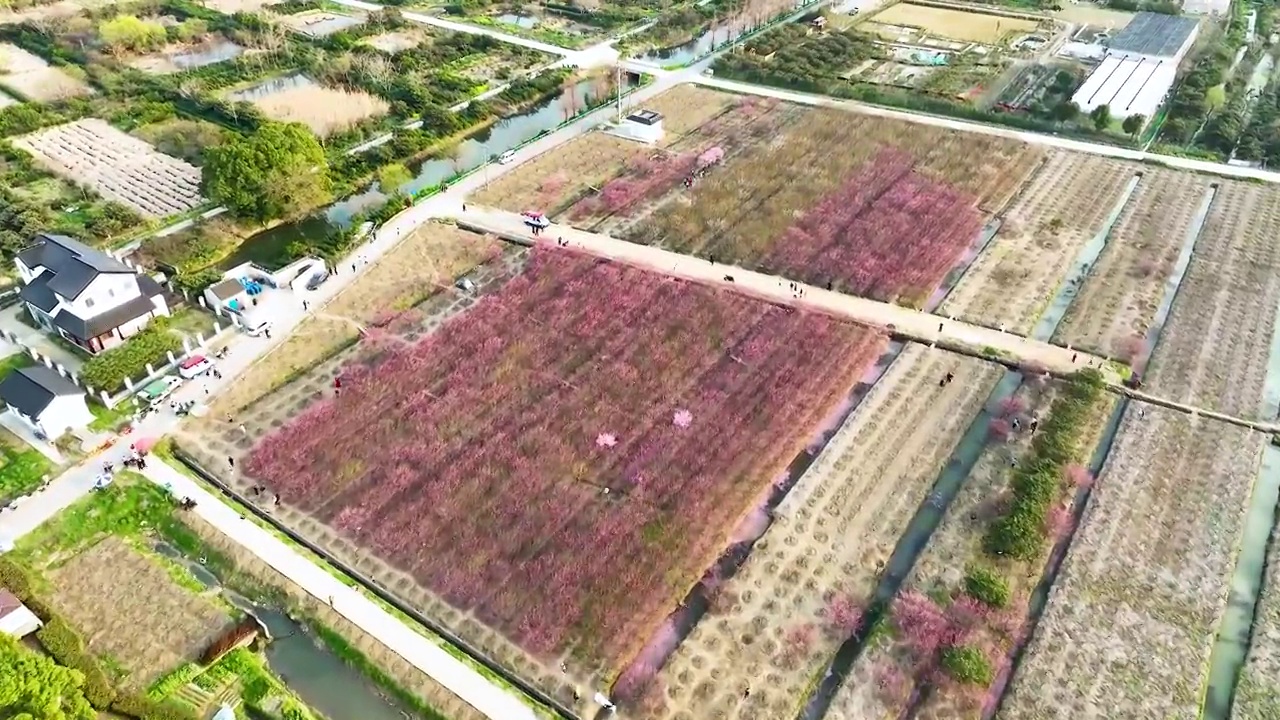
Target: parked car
(507, 157)
(157, 390)
(317, 280)
(195, 366)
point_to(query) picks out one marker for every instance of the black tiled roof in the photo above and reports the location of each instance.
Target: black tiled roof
(31, 389)
(37, 293)
(73, 263)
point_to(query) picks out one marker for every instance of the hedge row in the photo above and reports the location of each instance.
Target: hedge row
(1021, 532)
(67, 648)
(152, 346)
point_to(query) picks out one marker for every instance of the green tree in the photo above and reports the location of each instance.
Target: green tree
(1133, 124)
(191, 29)
(968, 664)
(392, 177)
(1065, 111)
(127, 32)
(33, 687)
(1101, 117)
(279, 171)
(985, 584)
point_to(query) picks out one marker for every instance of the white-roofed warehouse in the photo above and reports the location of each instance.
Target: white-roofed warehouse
(1130, 86)
(1140, 66)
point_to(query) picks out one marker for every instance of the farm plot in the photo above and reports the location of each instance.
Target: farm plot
(954, 24)
(1065, 204)
(298, 98)
(425, 263)
(1220, 326)
(887, 217)
(319, 23)
(131, 610)
(561, 176)
(30, 77)
(624, 422)
(1117, 302)
(176, 58)
(780, 619)
(117, 166)
(1132, 618)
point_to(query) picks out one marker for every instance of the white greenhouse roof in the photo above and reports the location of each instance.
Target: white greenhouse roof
(1128, 85)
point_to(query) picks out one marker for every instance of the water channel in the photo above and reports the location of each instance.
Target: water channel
(320, 678)
(1235, 631)
(963, 459)
(476, 150)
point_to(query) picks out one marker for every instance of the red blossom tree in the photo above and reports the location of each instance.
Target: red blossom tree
(999, 429)
(797, 642)
(1010, 406)
(922, 624)
(1078, 476)
(844, 616)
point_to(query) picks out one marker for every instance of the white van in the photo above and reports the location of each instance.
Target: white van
(507, 157)
(254, 324)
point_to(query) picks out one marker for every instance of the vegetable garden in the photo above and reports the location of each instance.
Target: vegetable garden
(628, 422)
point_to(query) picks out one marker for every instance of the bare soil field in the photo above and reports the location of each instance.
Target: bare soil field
(954, 24)
(396, 667)
(686, 107)
(1089, 14)
(117, 166)
(1064, 204)
(831, 537)
(396, 41)
(425, 263)
(319, 23)
(131, 610)
(231, 7)
(325, 110)
(1132, 618)
(1220, 326)
(30, 77)
(1116, 304)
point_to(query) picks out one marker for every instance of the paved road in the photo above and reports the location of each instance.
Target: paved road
(916, 324)
(963, 125)
(425, 655)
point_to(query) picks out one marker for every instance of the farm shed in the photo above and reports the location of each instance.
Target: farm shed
(45, 401)
(229, 293)
(15, 618)
(643, 125)
(1129, 86)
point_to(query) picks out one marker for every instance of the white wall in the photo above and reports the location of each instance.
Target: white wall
(107, 291)
(65, 411)
(19, 623)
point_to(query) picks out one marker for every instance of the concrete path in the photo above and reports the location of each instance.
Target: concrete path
(425, 655)
(915, 324)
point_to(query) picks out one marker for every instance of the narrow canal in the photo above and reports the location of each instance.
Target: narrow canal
(957, 469)
(321, 679)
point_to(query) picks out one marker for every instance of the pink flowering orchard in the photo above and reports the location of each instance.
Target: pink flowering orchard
(569, 456)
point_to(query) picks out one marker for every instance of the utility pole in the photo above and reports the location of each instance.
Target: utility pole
(617, 81)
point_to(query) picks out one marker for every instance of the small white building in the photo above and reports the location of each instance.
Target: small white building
(1129, 86)
(229, 294)
(45, 401)
(15, 618)
(644, 126)
(85, 295)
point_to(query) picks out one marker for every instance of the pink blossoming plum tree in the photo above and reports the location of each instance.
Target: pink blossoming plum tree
(477, 459)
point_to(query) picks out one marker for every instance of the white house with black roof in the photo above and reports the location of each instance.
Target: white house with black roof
(45, 401)
(85, 295)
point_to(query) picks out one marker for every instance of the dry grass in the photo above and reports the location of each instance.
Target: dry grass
(31, 77)
(132, 611)
(324, 110)
(425, 262)
(396, 41)
(558, 177)
(954, 24)
(230, 7)
(686, 107)
(319, 23)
